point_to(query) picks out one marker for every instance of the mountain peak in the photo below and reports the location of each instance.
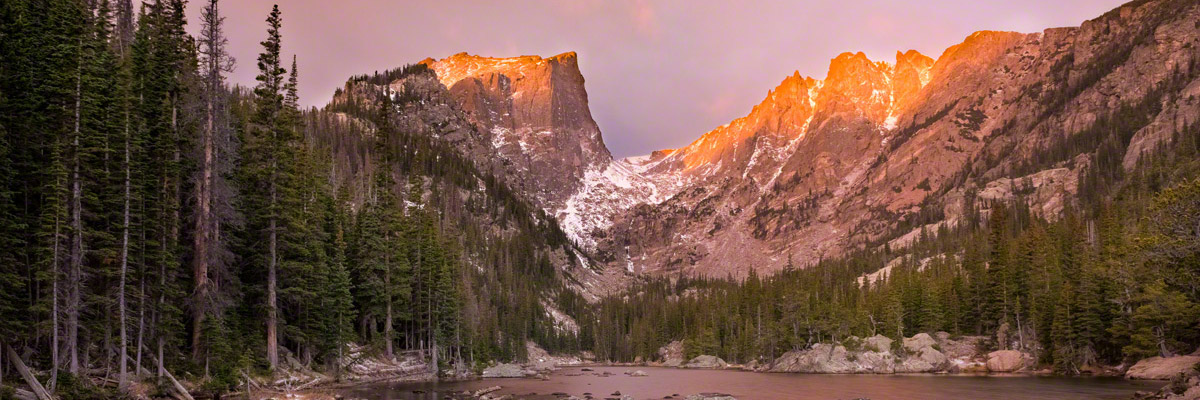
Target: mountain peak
(454, 68)
(534, 112)
(912, 57)
(909, 75)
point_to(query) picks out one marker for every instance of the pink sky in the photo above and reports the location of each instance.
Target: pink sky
(659, 73)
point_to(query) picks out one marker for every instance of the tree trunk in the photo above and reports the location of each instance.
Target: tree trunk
(272, 338)
(200, 255)
(55, 339)
(173, 221)
(387, 283)
(74, 270)
(122, 380)
(158, 333)
(179, 390)
(141, 335)
(38, 389)
(433, 366)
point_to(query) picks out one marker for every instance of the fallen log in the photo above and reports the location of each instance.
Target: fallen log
(182, 392)
(481, 392)
(22, 394)
(179, 392)
(309, 384)
(39, 391)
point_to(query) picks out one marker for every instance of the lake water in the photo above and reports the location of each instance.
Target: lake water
(663, 382)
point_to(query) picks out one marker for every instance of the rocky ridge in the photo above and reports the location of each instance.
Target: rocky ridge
(878, 150)
(869, 155)
(534, 113)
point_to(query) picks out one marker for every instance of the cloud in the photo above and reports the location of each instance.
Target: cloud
(644, 18)
(721, 104)
(659, 72)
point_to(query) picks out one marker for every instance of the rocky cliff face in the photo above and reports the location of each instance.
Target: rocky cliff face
(876, 151)
(534, 113)
(868, 155)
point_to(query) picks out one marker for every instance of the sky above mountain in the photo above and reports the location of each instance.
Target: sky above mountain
(659, 73)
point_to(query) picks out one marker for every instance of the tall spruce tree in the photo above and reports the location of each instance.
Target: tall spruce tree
(268, 163)
(213, 195)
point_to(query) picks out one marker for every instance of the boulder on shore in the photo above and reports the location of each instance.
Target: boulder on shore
(706, 362)
(1159, 368)
(878, 344)
(925, 359)
(1005, 361)
(504, 371)
(671, 355)
(538, 359)
(921, 353)
(918, 342)
(824, 358)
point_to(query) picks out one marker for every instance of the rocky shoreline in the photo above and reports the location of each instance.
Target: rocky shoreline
(922, 353)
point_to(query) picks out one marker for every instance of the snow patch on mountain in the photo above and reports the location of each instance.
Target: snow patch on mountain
(890, 122)
(604, 193)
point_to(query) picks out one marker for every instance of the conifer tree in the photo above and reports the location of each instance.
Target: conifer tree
(212, 193)
(268, 162)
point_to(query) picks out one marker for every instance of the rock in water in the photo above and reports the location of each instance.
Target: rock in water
(710, 396)
(706, 362)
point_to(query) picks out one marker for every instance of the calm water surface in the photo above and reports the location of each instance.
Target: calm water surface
(759, 386)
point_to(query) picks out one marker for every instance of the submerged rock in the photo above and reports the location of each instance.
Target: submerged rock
(710, 396)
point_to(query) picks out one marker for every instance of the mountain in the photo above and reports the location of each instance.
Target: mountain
(534, 113)
(874, 154)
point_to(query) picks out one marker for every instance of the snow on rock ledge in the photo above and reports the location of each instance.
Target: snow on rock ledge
(604, 193)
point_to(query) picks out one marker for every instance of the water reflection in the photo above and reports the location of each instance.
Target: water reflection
(664, 382)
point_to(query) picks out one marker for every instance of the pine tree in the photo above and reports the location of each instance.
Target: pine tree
(122, 45)
(212, 193)
(1165, 323)
(267, 163)
(11, 283)
(337, 301)
(384, 263)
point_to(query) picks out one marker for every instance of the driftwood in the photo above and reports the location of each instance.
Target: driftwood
(22, 394)
(39, 391)
(181, 392)
(250, 383)
(481, 392)
(310, 383)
